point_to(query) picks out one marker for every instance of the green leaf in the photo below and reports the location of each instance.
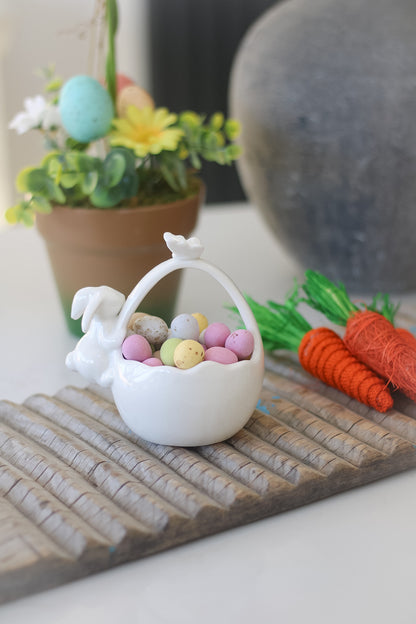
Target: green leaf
(40, 204)
(195, 160)
(233, 151)
(216, 121)
(38, 182)
(12, 214)
(232, 129)
(114, 168)
(27, 218)
(89, 182)
(72, 144)
(54, 168)
(54, 85)
(69, 180)
(169, 177)
(22, 179)
(78, 161)
(211, 141)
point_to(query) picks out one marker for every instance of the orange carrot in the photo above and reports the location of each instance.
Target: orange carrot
(407, 336)
(374, 340)
(369, 335)
(322, 353)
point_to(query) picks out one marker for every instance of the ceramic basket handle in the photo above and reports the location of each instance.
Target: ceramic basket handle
(177, 262)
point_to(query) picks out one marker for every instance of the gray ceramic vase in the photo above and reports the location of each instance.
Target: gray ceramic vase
(326, 94)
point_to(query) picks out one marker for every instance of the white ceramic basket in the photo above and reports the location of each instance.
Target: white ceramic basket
(202, 405)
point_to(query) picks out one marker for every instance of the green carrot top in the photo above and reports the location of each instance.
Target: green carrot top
(333, 300)
(281, 326)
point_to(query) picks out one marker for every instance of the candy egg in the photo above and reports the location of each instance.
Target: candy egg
(134, 317)
(241, 342)
(86, 109)
(216, 334)
(202, 321)
(153, 328)
(136, 347)
(168, 349)
(188, 353)
(132, 95)
(153, 362)
(220, 355)
(185, 326)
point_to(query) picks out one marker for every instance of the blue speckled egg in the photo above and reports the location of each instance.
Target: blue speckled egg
(86, 109)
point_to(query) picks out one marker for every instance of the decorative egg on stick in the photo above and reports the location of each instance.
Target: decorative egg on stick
(132, 95)
(123, 81)
(86, 109)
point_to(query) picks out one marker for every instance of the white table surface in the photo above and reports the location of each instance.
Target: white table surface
(349, 558)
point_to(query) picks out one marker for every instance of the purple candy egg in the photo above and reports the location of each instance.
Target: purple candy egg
(216, 334)
(241, 342)
(136, 347)
(220, 355)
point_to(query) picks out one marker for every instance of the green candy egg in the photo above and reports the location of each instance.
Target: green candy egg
(168, 349)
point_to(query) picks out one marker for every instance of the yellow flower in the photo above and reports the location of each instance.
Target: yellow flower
(146, 131)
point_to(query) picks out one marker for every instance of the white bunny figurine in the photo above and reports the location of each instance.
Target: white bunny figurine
(99, 307)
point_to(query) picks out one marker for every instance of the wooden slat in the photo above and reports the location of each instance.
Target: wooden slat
(81, 492)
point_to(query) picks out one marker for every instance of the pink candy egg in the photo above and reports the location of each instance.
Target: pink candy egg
(153, 361)
(136, 347)
(241, 342)
(216, 334)
(220, 355)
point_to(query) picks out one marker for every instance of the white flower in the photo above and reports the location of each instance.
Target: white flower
(38, 113)
(51, 117)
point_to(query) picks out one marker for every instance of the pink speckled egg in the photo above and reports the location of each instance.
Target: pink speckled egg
(241, 342)
(136, 347)
(216, 334)
(220, 355)
(153, 361)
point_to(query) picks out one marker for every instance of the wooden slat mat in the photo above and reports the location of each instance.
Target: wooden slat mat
(81, 493)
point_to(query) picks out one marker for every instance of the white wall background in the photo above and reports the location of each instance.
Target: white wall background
(34, 33)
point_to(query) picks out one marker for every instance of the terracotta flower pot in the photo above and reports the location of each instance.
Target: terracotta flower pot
(116, 247)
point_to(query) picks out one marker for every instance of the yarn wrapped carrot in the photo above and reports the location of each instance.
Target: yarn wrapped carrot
(322, 353)
(369, 335)
(381, 303)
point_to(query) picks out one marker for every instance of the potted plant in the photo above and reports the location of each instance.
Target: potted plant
(118, 172)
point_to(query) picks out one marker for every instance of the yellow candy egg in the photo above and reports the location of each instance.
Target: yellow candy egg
(202, 321)
(132, 95)
(188, 353)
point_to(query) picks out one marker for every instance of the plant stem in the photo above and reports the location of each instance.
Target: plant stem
(110, 72)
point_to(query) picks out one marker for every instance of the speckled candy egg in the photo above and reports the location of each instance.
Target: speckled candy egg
(185, 326)
(134, 317)
(153, 328)
(241, 342)
(188, 353)
(136, 347)
(86, 109)
(220, 355)
(216, 334)
(202, 320)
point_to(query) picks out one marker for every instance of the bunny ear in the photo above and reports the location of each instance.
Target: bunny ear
(80, 302)
(85, 304)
